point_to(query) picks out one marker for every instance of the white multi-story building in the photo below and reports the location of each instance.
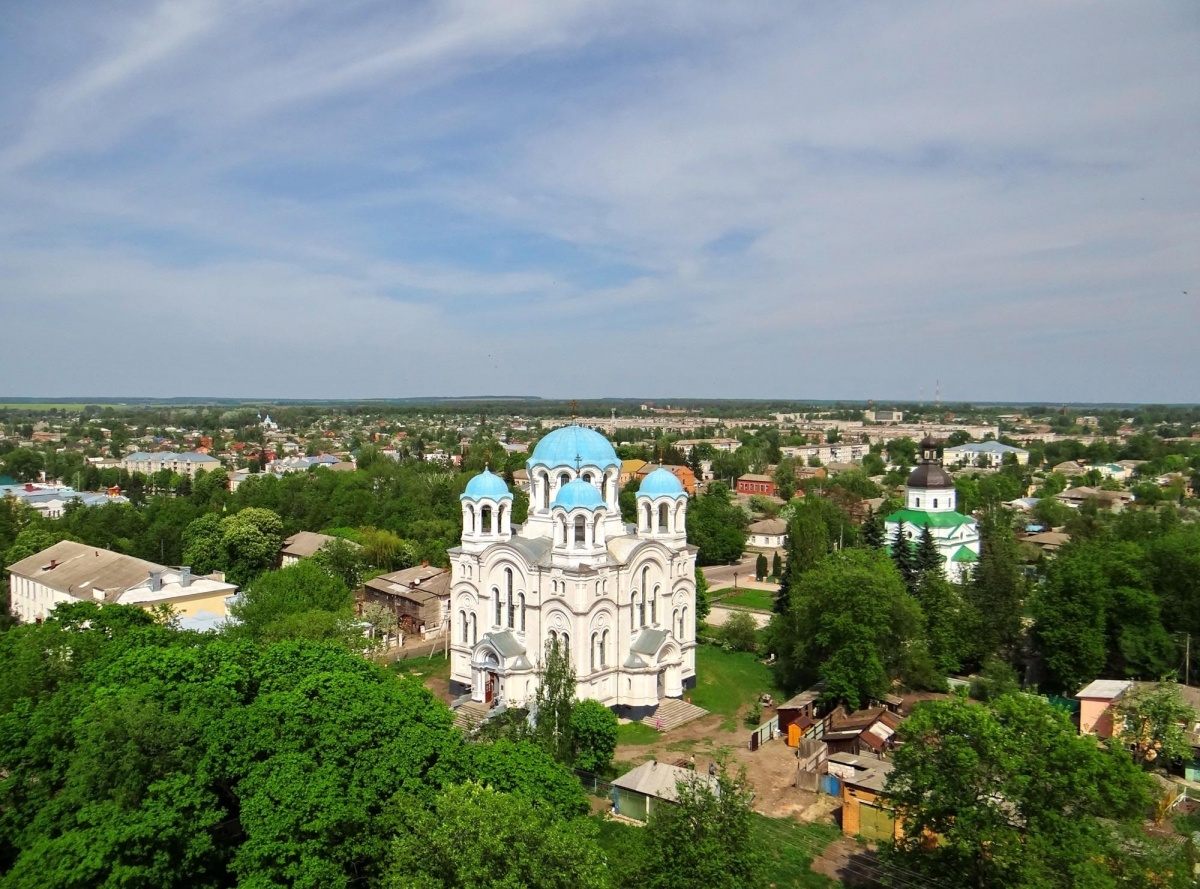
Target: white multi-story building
(620, 598)
(181, 464)
(989, 453)
(930, 501)
(841, 452)
(73, 572)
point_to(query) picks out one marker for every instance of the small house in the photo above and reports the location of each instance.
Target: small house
(1096, 702)
(866, 811)
(637, 793)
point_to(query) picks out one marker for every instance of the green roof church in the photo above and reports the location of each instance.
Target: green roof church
(930, 501)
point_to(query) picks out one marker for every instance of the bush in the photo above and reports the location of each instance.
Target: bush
(594, 730)
(740, 632)
(754, 715)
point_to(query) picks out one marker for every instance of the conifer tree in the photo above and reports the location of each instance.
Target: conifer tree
(873, 531)
(904, 557)
(777, 566)
(760, 566)
(928, 557)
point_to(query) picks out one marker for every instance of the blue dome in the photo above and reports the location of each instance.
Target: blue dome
(571, 446)
(576, 494)
(486, 485)
(661, 483)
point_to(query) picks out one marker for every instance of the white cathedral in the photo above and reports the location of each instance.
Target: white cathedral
(620, 598)
(930, 501)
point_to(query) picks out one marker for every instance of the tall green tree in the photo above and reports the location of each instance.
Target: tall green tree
(704, 838)
(928, 557)
(1016, 798)
(760, 567)
(474, 837)
(554, 702)
(717, 526)
(904, 557)
(851, 623)
(997, 589)
(874, 534)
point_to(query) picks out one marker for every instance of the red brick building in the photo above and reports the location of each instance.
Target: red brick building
(756, 484)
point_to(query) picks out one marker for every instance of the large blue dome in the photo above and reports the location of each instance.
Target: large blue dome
(573, 446)
(661, 483)
(578, 494)
(486, 485)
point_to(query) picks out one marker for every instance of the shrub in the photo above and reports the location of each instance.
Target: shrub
(740, 632)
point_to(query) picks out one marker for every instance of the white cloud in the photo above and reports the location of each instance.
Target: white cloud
(513, 178)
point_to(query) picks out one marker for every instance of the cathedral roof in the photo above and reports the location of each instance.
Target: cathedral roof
(578, 494)
(921, 518)
(661, 483)
(486, 485)
(573, 446)
(930, 475)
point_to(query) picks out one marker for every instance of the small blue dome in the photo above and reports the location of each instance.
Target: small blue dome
(576, 494)
(661, 483)
(571, 446)
(486, 485)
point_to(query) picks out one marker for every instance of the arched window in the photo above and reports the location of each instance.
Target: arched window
(564, 479)
(604, 483)
(595, 644)
(587, 477)
(662, 517)
(512, 602)
(496, 599)
(470, 519)
(545, 490)
(604, 649)
(646, 596)
(521, 601)
(580, 530)
(654, 606)
(474, 630)
(647, 520)
(565, 642)
(462, 616)
(634, 608)
(485, 520)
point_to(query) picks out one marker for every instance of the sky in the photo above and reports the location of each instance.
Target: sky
(577, 199)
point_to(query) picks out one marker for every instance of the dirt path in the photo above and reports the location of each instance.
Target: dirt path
(770, 770)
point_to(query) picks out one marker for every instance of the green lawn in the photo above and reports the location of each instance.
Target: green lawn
(787, 846)
(757, 600)
(636, 733)
(729, 680)
(433, 666)
(790, 848)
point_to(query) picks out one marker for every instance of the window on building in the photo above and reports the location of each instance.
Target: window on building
(496, 599)
(580, 530)
(462, 617)
(512, 602)
(521, 600)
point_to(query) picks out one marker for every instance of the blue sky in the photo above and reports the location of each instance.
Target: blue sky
(588, 199)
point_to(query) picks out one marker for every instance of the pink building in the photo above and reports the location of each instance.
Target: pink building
(1096, 706)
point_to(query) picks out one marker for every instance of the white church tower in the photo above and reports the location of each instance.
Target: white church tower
(621, 598)
(930, 501)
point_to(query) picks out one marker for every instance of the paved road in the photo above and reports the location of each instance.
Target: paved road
(722, 575)
(718, 615)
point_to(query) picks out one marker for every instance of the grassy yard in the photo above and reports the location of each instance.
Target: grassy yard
(758, 600)
(636, 733)
(788, 848)
(728, 680)
(427, 667)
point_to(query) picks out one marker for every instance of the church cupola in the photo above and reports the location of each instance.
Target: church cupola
(930, 488)
(662, 507)
(486, 511)
(578, 513)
